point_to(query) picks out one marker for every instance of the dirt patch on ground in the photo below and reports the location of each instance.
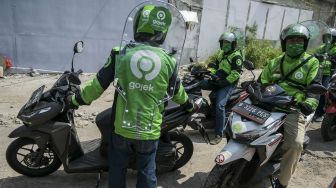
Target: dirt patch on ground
(318, 168)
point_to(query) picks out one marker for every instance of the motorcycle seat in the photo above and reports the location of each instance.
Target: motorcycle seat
(171, 109)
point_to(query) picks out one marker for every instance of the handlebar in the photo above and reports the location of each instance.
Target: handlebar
(80, 71)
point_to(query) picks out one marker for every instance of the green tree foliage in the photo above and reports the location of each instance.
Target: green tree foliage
(259, 51)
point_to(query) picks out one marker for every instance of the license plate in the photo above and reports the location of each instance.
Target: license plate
(251, 112)
(35, 97)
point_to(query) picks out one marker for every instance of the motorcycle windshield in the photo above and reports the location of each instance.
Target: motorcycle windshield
(240, 38)
(319, 34)
(150, 53)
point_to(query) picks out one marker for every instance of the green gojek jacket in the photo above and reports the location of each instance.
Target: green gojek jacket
(227, 66)
(296, 83)
(137, 108)
(327, 65)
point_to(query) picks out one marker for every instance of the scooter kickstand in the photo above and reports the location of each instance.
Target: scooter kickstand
(272, 180)
(100, 174)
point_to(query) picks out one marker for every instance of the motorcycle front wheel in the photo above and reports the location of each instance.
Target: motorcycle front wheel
(328, 127)
(221, 176)
(23, 155)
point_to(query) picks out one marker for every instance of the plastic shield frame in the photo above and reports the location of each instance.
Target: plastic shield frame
(172, 45)
(240, 35)
(317, 31)
(145, 60)
(241, 39)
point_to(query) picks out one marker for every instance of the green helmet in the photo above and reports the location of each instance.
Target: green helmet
(151, 24)
(294, 30)
(230, 37)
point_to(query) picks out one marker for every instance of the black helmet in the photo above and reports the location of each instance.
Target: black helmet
(294, 30)
(230, 37)
(332, 34)
(151, 24)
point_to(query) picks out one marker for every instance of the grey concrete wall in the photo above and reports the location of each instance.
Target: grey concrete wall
(270, 18)
(41, 33)
(193, 30)
(323, 9)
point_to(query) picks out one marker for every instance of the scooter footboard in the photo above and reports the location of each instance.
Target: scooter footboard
(233, 151)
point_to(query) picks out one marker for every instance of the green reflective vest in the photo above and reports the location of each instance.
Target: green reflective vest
(295, 84)
(231, 64)
(326, 65)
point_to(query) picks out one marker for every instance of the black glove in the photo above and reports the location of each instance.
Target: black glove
(320, 57)
(221, 74)
(212, 65)
(69, 104)
(190, 106)
(333, 59)
(305, 108)
(214, 77)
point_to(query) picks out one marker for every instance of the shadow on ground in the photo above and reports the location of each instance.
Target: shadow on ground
(317, 145)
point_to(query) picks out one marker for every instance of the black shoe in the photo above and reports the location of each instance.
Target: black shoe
(278, 184)
(216, 140)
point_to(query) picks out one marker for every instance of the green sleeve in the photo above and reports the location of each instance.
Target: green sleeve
(90, 92)
(332, 51)
(95, 87)
(265, 77)
(233, 76)
(236, 68)
(181, 96)
(314, 76)
(320, 49)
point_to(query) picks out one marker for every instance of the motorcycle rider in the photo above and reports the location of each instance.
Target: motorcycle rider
(293, 71)
(225, 73)
(327, 66)
(137, 121)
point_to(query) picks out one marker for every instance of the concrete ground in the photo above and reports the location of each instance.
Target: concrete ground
(318, 169)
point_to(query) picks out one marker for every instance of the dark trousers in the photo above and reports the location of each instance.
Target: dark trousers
(120, 150)
(320, 108)
(222, 96)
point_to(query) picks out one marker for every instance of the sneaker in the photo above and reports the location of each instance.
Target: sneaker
(216, 140)
(319, 119)
(277, 184)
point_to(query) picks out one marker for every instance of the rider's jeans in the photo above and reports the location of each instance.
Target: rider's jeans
(120, 151)
(293, 145)
(222, 96)
(320, 108)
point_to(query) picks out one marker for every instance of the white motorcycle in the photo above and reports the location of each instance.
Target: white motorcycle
(255, 128)
(255, 136)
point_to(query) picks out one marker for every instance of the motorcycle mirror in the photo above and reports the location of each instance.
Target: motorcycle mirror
(333, 78)
(249, 65)
(317, 89)
(78, 48)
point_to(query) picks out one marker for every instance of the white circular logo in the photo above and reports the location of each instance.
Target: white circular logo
(239, 62)
(145, 13)
(145, 62)
(298, 75)
(161, 15)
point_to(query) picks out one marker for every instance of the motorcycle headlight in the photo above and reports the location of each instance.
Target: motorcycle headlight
(240, 133)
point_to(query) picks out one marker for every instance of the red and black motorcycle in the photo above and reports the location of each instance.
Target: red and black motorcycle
(328, 127)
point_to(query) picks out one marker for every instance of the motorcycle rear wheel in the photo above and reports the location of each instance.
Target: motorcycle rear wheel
(184, 148)
(22, 153)
(328, 127)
